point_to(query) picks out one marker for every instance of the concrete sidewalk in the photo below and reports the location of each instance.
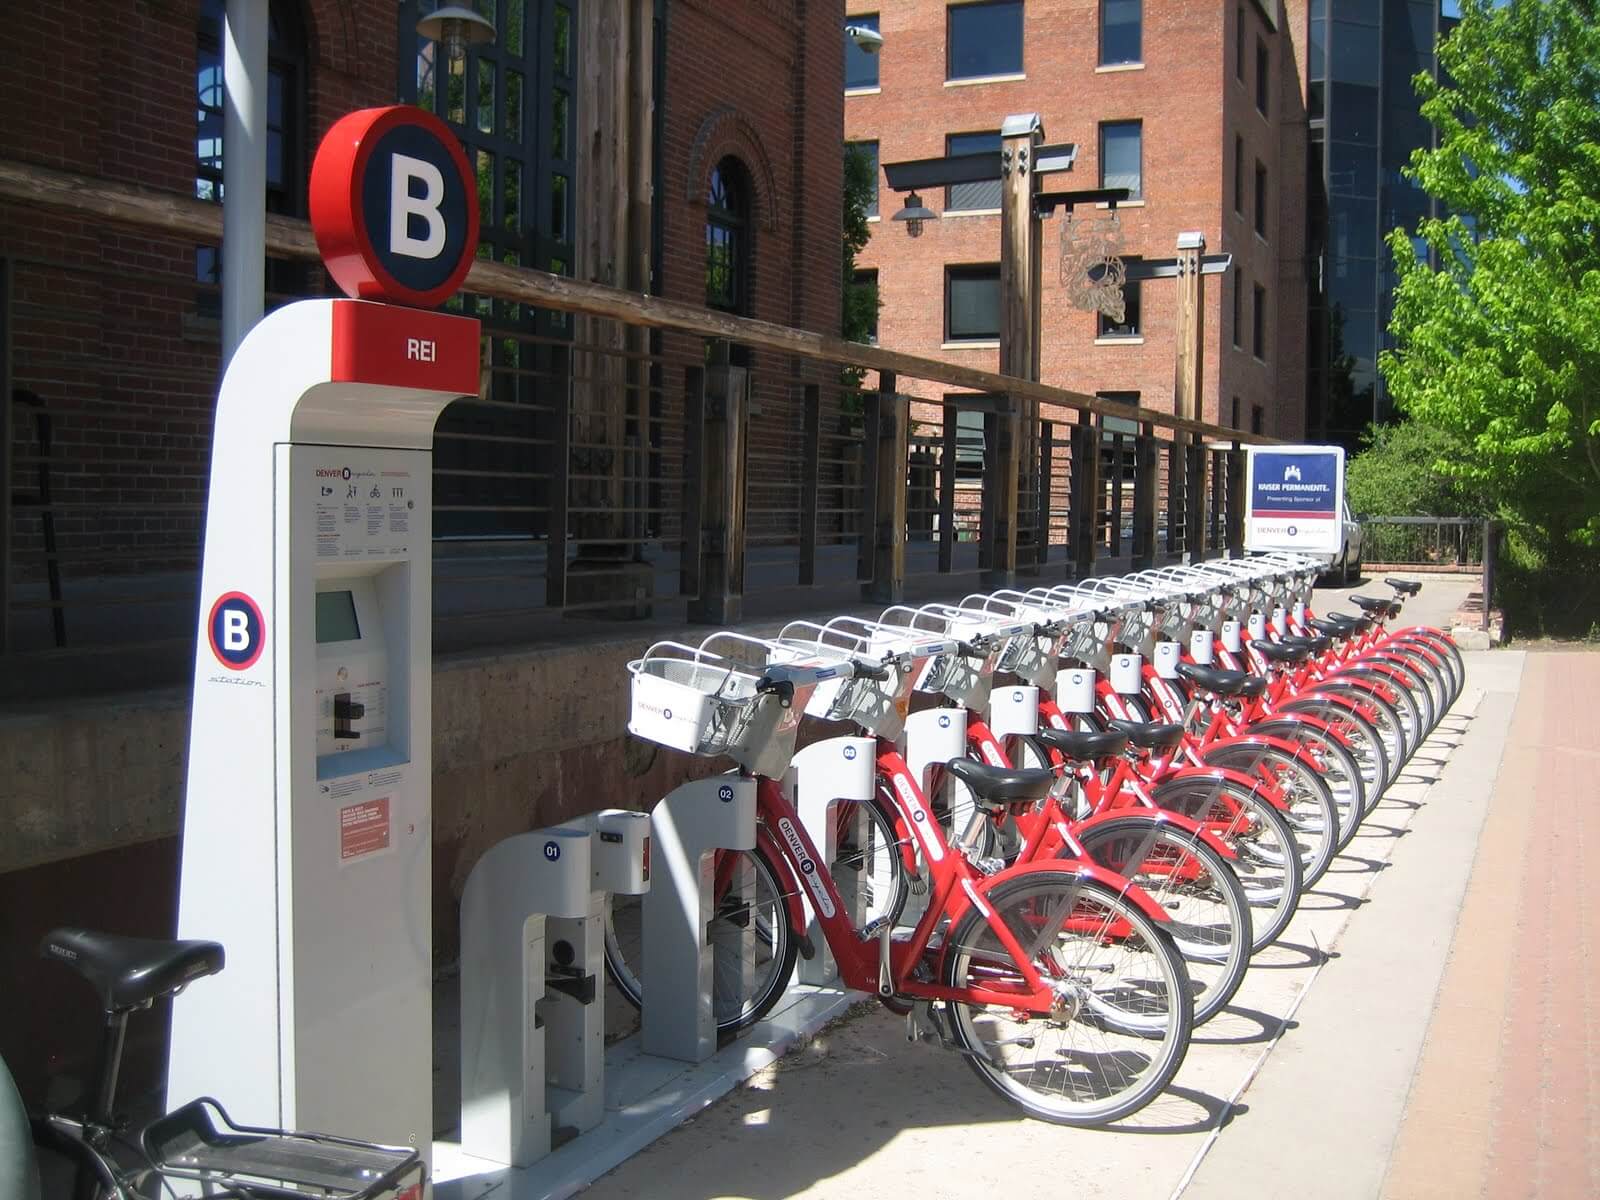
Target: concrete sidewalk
(1300, 1087)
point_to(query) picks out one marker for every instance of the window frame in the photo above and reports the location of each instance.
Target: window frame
(1238, 305)
(1132, 327)
(1258, 325)
(739, 222)
(1263, 71)
(972, 453)
(854, 53)
(950, 75)
(1238, 45)
(1261, 200)
(1138, 58)
(950, 204)
(1135, 123)
(971, 272)
(1238, 174)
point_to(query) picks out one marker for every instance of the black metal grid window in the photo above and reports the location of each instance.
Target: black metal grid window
(972, 197)
(1258, 338)
(1121, 27)
(972, 303)
(860, 68)
(983, 40)
(1261, 199)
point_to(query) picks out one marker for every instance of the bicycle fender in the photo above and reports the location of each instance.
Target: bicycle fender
(791, 886)
(1162, 816)
(1251, 738)
(1083, 869)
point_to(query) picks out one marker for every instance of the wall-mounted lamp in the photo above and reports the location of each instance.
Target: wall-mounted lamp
(914, 214)
(868, 41)
(455, 29)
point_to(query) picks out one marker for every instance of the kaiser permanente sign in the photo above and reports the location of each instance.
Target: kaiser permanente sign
(1296, 496)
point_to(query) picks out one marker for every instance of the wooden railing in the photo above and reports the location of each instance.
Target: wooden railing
(714, 459)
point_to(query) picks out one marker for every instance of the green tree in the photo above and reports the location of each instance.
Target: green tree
(860, 305)
(1497, 324)
(1397, 474)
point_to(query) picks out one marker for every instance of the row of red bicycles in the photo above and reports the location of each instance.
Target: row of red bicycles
(1087, 806)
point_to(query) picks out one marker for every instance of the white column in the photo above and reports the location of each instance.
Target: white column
(244, 169)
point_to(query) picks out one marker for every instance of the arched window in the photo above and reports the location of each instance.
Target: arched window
(286, 115)
(728, 238)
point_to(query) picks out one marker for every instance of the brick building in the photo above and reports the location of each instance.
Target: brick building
(1196, 108)
(113, 355)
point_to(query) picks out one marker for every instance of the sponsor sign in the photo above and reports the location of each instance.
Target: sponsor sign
(1295, 498)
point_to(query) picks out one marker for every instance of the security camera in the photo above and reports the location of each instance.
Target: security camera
(868, 41)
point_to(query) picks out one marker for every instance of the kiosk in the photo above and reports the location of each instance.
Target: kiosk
(307, 845)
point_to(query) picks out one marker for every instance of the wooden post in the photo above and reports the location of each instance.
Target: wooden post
(1002, 499)
(1021, 135)
(1195, 502)
(721, 600)
(694, 480)
(890, 430)
(1236, 462)
(7, 433)
(1085, 515)
(810, 475)
(1146, 477)
(1176, 523)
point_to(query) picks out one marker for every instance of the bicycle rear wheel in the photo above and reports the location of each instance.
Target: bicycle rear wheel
(1123, 1020)
(1312, 813)
(756, 948)
(1209, 911)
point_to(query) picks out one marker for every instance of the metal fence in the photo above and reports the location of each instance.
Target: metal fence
(627, 457)
(1446, 544)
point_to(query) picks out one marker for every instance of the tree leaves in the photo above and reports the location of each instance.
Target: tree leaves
(1497, 328)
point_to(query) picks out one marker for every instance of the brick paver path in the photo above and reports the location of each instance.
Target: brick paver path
(1506, 1102)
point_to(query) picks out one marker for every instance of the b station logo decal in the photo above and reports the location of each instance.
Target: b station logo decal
(236, 631)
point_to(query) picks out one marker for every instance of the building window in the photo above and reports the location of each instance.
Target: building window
(1238, 45)
(727, 238)
(1235, 420)
(1258, 334)
(865, 286)
(1262, 78)
(869, 151)
(972, 303)
(860, 68)
(1257, 419)
(1238, 301)
(286, 106)
(1121, 155)
(1121, 23)
(982, 40)
(969, 442)
(966, 197)
(1129, 326)
(1261, 199)
(1238, 175)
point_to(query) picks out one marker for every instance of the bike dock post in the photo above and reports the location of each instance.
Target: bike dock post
(533, 981)
(687, 827)
(819, 777)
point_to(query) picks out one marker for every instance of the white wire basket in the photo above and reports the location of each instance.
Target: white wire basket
(700, 701)
(878, 705)
(965, 677)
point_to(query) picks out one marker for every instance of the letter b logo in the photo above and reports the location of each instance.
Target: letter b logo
(236, 631)
(407, 209)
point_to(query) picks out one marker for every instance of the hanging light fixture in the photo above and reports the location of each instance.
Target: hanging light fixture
(455, 29)
(914, 214)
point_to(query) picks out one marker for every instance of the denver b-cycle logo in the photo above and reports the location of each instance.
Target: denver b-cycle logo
(236, 631)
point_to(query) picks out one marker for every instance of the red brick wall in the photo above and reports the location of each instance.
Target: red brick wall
(105, 324)
(1191, 106)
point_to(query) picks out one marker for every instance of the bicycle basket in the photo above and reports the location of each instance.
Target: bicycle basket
(691, 699)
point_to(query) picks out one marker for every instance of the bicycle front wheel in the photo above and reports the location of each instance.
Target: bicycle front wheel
(1123, 1017)
(753, 944)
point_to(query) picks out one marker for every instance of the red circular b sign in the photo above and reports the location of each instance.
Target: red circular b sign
(394, 206)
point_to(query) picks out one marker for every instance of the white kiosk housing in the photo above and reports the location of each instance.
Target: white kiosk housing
(307, 849)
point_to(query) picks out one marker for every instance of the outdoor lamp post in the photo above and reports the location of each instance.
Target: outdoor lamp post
(914, 214)
(455, 29)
